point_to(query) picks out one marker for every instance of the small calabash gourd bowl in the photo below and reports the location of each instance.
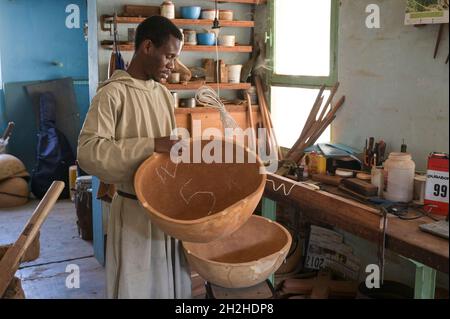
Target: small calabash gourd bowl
(243, 259)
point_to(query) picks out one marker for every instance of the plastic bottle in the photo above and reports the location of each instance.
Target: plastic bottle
(399, 171)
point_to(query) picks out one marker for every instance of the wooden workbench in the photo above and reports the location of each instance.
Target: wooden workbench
(402, 237)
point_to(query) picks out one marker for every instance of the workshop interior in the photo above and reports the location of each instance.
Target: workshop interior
(311, 147)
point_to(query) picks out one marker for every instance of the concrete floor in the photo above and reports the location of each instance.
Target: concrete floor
(61, 246)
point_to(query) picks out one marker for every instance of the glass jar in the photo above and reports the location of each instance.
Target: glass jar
(399, 171)
(168, 9)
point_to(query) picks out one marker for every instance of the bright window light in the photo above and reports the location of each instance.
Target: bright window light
(290, 109)
(302, 37)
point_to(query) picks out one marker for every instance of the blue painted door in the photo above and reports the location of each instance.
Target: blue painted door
(40, 40)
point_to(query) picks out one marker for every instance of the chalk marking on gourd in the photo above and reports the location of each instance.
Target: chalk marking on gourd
(187, 201)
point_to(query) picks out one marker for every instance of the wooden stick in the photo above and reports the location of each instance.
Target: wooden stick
(314, 110)
(271, 131)
(8, 130)
(299, 154)
(260, 93)
(438, 40)
(11, 260)
(316, 127)
(330, 98)
(310, 120)
(250, 117)
(336, 107)
(265, 113)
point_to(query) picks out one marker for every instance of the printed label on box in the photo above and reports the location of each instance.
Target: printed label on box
(437, 186)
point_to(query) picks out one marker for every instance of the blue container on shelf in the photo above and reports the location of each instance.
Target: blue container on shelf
(206, 38)
(190, 12)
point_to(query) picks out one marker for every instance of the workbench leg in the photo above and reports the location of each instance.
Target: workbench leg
(425, 284)
(269, 210)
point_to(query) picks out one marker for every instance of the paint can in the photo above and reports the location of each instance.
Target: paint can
(190, 37)
(168, 9)
(437, 185)
(187, 103)
(234, 73)
(227, 40)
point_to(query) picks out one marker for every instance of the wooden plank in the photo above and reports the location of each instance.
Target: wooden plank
(127, 46)
(229, 108)
(210, 117)
(244, 1)
(196, 85)
(403, 236)
(183, 22)
(11, 260)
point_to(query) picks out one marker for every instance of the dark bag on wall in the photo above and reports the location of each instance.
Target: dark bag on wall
(54, 155)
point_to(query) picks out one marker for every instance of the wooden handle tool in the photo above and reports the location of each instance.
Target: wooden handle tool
(11, 260)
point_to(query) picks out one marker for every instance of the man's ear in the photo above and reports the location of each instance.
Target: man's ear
(147, 46)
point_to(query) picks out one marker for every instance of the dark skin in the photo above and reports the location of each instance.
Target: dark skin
(151, 62)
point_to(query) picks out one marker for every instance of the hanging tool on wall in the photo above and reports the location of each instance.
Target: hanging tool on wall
(116, 61)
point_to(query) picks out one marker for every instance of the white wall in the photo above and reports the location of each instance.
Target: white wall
(243, 35)
(394, 89)
(393, 86)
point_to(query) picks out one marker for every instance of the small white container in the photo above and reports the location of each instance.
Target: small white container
(209, 14)
(226, 15)
(234, 73)
(377, 179)
(174, 78)
(190, 37)
(168, 9)
(399, 171)
(227, 40)
(419, 189)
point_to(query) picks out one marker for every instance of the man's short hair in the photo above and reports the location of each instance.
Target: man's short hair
(158, 29)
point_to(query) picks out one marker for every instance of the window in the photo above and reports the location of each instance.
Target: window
(303, 58)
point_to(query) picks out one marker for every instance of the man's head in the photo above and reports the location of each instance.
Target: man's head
(157, 45)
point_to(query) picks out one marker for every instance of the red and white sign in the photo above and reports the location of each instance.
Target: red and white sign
(437, 185)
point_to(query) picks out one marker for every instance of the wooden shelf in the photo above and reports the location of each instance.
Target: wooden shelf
(107, 19)
(128, 46)
(244, 1)
(198, 84)
(202, 109)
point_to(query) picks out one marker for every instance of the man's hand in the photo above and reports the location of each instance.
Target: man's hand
(164, 144)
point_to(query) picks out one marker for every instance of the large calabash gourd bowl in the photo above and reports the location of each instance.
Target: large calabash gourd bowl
(245, 258)
(203, 201)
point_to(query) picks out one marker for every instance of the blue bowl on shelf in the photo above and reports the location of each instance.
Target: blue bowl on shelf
(206, 38)
(191, 12)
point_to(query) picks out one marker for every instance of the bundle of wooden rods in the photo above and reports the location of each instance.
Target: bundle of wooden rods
(315, 124)
(266, 119)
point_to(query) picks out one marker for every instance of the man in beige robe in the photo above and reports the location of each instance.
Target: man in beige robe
(131, 117)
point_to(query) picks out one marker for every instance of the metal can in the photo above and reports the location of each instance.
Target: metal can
(436, 189)
(176, 99)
